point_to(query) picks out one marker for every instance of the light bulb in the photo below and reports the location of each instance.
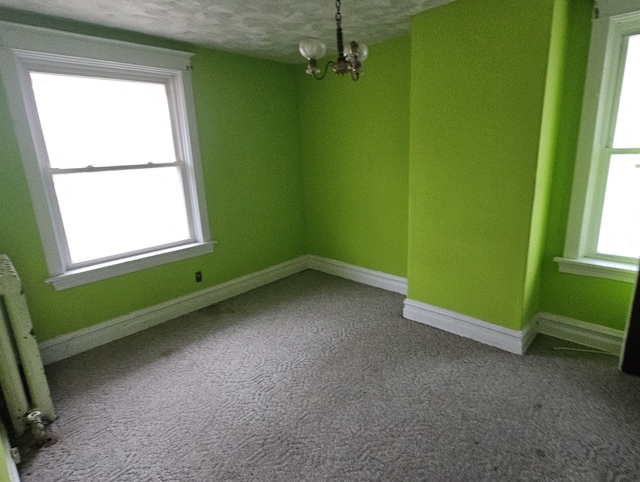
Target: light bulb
(363, 52)
(312, 48)
(355, 49)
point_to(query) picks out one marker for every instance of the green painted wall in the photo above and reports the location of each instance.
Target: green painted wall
(594, 300)
(496, 94)
(4, 470)
(355, 138)
(551, 116)
(455, 172)
(247, 123)
(477, 90)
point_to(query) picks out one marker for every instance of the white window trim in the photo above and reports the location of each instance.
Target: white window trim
(32, 42)
(616, 21)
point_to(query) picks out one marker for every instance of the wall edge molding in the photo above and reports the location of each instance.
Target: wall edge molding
(587, 334)
(365, 276)
(67, 345)
(513, 341)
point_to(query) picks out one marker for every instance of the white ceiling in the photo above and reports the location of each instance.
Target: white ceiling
(260, 28)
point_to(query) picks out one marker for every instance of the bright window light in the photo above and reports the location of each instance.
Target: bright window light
(619, 233)
(103, 122)
(117, 180)
(627, 130)
(620, 225)
(109, 213)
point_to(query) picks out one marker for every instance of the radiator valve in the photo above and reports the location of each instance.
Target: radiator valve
(34, 420)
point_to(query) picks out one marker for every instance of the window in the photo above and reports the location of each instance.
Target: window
(107, 136)
(603, 236)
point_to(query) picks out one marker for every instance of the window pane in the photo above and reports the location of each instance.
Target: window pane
(102, 122)
(627, 133)
(113, 212)
(620, 226)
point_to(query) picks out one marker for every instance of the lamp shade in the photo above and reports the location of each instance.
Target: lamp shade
(355, 49)
(363, 52)
(312, 48)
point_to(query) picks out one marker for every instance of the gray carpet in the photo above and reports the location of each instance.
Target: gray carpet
(315, 378)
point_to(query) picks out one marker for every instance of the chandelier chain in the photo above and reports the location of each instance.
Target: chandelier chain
(338, 14)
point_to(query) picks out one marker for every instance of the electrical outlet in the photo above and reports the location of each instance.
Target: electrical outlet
(198, 276)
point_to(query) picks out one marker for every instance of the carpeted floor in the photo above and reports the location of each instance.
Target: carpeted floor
(316, 378)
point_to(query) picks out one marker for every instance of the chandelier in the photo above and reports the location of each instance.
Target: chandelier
(349, 59)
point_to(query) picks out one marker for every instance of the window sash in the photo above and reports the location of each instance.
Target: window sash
(72, 110)
(192, 235)
(72, 67)
(602, 90)
(603, 150)
(41, 49)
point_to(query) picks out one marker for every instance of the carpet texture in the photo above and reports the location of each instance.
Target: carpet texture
(316, 378)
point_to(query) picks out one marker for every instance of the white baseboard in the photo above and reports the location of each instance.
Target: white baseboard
(513, 341)
(576, 331)
(365, 276)
(71, 344)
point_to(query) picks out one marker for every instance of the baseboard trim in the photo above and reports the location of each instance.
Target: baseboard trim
(365, 276)
(528, 334)
(70, 344)
(595, 336)
(513, 341)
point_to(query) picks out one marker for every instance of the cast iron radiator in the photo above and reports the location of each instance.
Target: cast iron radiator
(25, 391)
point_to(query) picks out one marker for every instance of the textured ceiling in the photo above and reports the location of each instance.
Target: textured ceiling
(261, 28)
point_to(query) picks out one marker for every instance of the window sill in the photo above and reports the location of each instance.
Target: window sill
(80, 276)
(598, 268)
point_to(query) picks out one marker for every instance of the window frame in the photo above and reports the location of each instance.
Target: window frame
(601, 98)
(24, 49)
